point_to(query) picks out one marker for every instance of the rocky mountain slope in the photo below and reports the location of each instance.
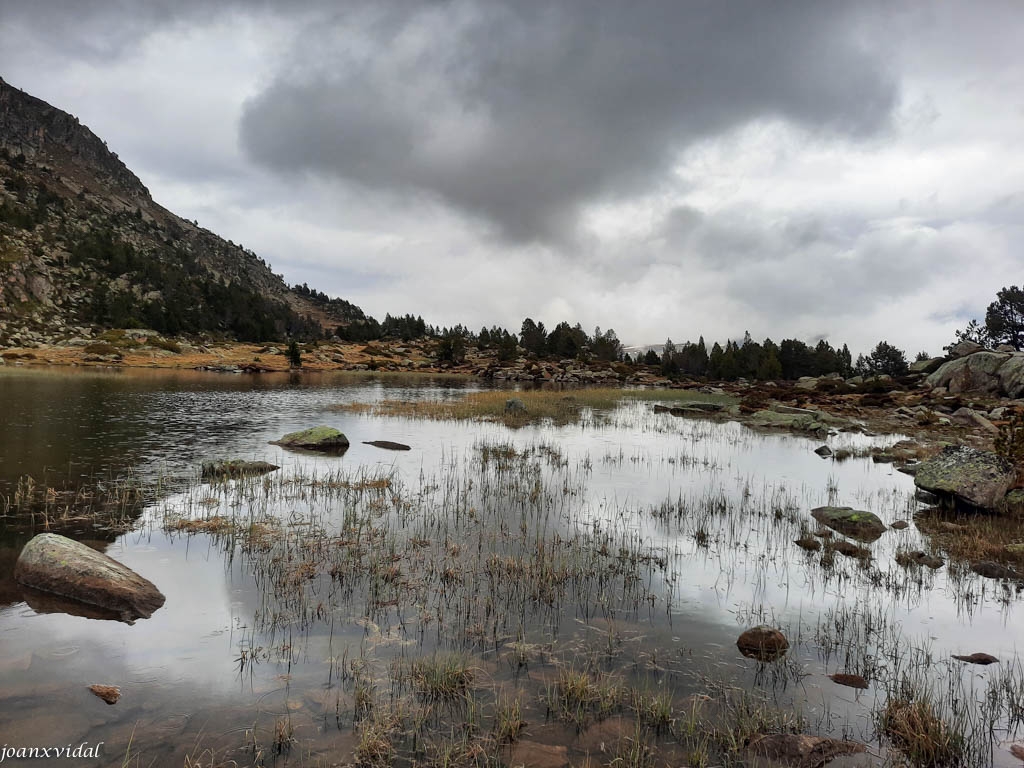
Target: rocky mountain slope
(84, 246)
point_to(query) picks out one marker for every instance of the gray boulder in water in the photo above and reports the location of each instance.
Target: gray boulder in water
(968, 475)
(855, 523)
(325, 439)
(62, 566)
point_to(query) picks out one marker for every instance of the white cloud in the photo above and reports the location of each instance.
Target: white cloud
(758, 213)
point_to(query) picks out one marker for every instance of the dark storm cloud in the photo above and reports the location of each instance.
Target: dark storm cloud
(522, 112)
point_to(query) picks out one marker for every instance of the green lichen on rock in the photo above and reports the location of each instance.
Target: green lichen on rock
(968, 475)
(855, 523)
(315, 439)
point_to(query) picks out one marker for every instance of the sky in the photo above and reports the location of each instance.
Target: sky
(665, 168)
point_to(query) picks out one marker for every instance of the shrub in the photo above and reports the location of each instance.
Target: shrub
(100, 348)
(293, 354)
(167, 344)
(1009, 443)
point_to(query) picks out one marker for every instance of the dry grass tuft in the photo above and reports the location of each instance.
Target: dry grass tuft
(917, 730)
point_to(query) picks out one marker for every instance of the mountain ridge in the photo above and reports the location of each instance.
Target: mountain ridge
(83, 246)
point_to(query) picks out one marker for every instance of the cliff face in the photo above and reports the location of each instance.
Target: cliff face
(84, 246)
(31, 127)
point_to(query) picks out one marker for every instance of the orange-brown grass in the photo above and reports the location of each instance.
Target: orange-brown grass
(561, 407)
(215, 524)
(918, 731)
(976, 536)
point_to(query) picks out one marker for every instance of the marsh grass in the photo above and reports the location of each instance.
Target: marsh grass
(502, 565)
(111, 502)
(978, 536)
(442, 678)
(913, 724)
(508, 720)
(375, 747)
(560, 407)
(579, 697)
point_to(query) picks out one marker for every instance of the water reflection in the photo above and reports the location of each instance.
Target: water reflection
(707, 510)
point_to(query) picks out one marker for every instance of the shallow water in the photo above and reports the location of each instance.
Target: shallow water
(702, 514)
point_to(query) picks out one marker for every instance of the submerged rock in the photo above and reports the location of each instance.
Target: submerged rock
(763, 643)
(326, 439)
(824, 451)
(848, 548)
(109, 693)
(801, 750)
(808, 542)
(855, 523)
(917, 557)
(851, 681)
(991, 570)
(968, 475)
(977, 658)
(234, 468)
(690, 409)
(388, 445)
(57, 564)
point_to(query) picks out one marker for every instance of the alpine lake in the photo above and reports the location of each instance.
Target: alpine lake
(565, 591)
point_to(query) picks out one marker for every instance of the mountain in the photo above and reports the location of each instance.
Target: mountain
(83, 245)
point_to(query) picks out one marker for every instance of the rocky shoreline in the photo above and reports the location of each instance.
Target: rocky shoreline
(963, 398)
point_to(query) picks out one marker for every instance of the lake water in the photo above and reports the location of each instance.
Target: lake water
(633, 547)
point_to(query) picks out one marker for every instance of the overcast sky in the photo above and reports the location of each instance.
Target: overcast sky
(809, 169)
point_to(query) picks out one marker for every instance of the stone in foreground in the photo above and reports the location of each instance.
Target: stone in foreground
(968, 475)
(325, 439)
(61, 566)
(109, 693)
(855, 523)
(800, 750)
(234, 468)
(763, 643)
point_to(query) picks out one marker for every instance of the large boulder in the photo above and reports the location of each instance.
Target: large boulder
(855, 523)
(965, 348)
(927, 366)
(978, 372)
(968, 475)
(324, 439)
(61, 566)
(1011, 376)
